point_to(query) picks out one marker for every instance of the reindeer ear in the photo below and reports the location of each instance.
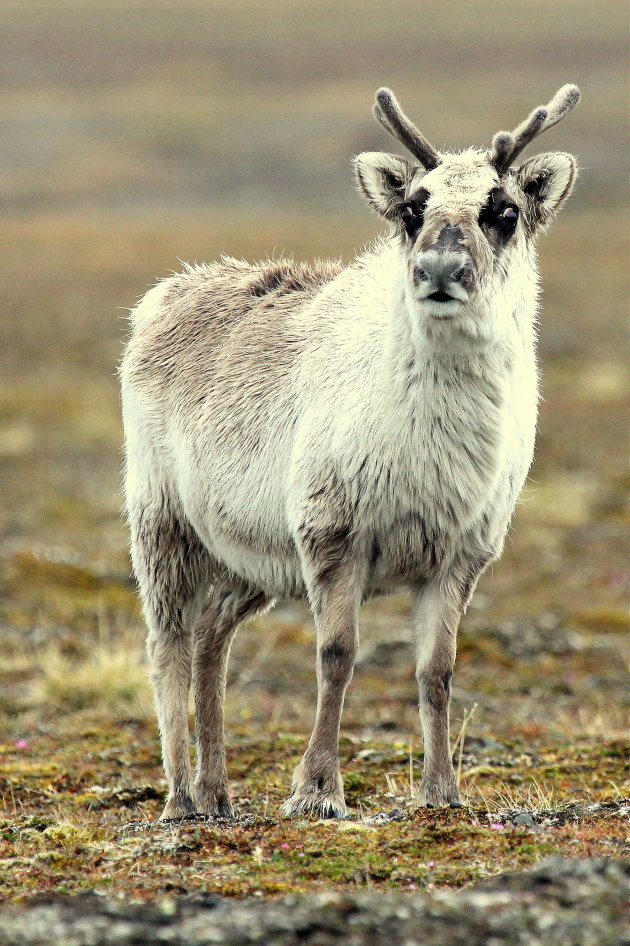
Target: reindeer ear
(546, 180)
(383, 179)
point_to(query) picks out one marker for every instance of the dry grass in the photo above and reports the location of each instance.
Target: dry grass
(110, 678)
(533, 796)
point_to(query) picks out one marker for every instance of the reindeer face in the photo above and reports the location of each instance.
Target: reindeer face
(454, 223)
(464, 219)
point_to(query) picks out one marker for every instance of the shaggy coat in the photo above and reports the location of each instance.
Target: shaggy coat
(332, 433)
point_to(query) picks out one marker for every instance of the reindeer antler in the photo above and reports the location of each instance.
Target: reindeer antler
(393, 119)
(506, 146)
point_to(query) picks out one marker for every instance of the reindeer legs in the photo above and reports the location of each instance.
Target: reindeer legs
(435, 626)
(317, 786)
(227, 608)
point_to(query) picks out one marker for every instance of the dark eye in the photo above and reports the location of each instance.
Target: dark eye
(506, 221)
(498, 217)
(411, 214)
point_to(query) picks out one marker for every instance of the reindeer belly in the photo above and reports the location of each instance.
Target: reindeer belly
(260, 552)
(415, 547)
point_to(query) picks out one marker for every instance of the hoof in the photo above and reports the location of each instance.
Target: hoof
(179, 805)
(317, 789)
(314, 801)
(439, 793)
(320, 795)
(213, 801)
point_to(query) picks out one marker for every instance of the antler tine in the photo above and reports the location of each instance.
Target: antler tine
(527, 130)
(393, 119)
(503, 145)
(380, 117)
(563, 102)
(507, 146)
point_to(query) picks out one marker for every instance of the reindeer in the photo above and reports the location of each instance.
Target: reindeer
(333, 433)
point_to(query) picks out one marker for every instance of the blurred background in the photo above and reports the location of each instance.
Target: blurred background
(138, 133)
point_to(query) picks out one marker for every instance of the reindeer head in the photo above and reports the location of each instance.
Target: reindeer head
(465, 219)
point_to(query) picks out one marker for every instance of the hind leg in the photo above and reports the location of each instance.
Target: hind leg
(228, 606)
(171, 566)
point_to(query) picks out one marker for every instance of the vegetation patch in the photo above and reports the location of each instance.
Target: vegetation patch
(542, 648)
(68, 801)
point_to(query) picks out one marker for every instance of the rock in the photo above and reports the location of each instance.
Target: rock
(573, 812)
(524, 818)
(484, 744)
(581, 902)
(386, 817)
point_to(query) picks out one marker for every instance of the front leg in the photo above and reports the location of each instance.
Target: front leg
(335, 596)
(436, 617)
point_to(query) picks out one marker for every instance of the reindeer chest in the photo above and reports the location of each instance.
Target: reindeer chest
(439, 470)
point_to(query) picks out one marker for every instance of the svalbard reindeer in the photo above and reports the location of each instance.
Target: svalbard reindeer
(332, 433)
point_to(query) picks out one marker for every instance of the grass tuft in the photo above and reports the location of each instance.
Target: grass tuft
(111, 677)
(534, 797)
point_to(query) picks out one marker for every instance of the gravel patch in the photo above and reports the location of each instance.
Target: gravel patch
(561, 901)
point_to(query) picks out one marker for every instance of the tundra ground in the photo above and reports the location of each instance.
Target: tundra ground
(129, 143)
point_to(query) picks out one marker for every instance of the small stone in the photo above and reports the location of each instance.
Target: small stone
(397, 814)
(524, 818)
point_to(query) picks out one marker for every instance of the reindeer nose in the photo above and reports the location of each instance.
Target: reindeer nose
(444, 264)
(441, 269)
